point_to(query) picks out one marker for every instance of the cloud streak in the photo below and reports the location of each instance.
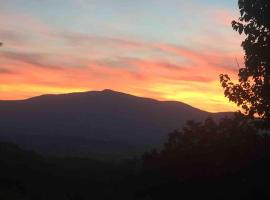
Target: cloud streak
(38, 59)
(5, 71)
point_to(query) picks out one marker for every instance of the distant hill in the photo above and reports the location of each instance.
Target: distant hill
(93, 123)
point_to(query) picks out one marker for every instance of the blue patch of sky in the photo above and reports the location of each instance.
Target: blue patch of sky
(170, 21)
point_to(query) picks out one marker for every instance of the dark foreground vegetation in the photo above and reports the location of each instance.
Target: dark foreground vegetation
(225, 160)
(26, 175)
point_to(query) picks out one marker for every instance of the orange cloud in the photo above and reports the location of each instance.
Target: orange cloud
(71, 62)
(158, 78)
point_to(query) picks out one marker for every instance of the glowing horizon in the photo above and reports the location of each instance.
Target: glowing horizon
(166, 50)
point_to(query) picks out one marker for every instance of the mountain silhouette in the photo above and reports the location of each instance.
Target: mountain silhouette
(93, 123)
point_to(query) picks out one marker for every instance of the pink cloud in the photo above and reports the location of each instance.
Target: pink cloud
(224, 16)
(53, 59)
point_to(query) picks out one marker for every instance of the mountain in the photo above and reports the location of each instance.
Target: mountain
(93, 123)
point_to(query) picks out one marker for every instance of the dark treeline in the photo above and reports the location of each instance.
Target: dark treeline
(27, 175)
(229, 159)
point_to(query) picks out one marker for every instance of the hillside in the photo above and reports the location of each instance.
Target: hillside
(92, 123)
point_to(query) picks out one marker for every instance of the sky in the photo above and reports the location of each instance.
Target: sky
(162, 49)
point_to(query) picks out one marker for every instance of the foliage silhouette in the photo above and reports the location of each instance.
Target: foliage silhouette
(209, 149)
(210, 160)
(228, 159)
(213, 160)
(252, 92)
(27, 175)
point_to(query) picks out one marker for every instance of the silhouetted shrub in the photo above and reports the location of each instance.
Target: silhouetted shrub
(209, 149)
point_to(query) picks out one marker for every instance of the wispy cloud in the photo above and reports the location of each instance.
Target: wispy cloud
(36, 60)
(5, 71)
(40, 58)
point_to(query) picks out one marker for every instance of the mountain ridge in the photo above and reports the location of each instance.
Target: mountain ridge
(107, 91)
(93, 122)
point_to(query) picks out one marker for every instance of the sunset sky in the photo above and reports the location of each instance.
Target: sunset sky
(163, 49)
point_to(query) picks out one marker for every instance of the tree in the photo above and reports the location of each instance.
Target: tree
(209, 149)
(252, 92)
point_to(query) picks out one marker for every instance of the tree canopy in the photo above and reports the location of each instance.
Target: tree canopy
(209, 149)
(252, 92)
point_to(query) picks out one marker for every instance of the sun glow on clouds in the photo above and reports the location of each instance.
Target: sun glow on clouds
(38, 58)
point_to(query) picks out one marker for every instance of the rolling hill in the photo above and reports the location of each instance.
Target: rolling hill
(93, 123)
